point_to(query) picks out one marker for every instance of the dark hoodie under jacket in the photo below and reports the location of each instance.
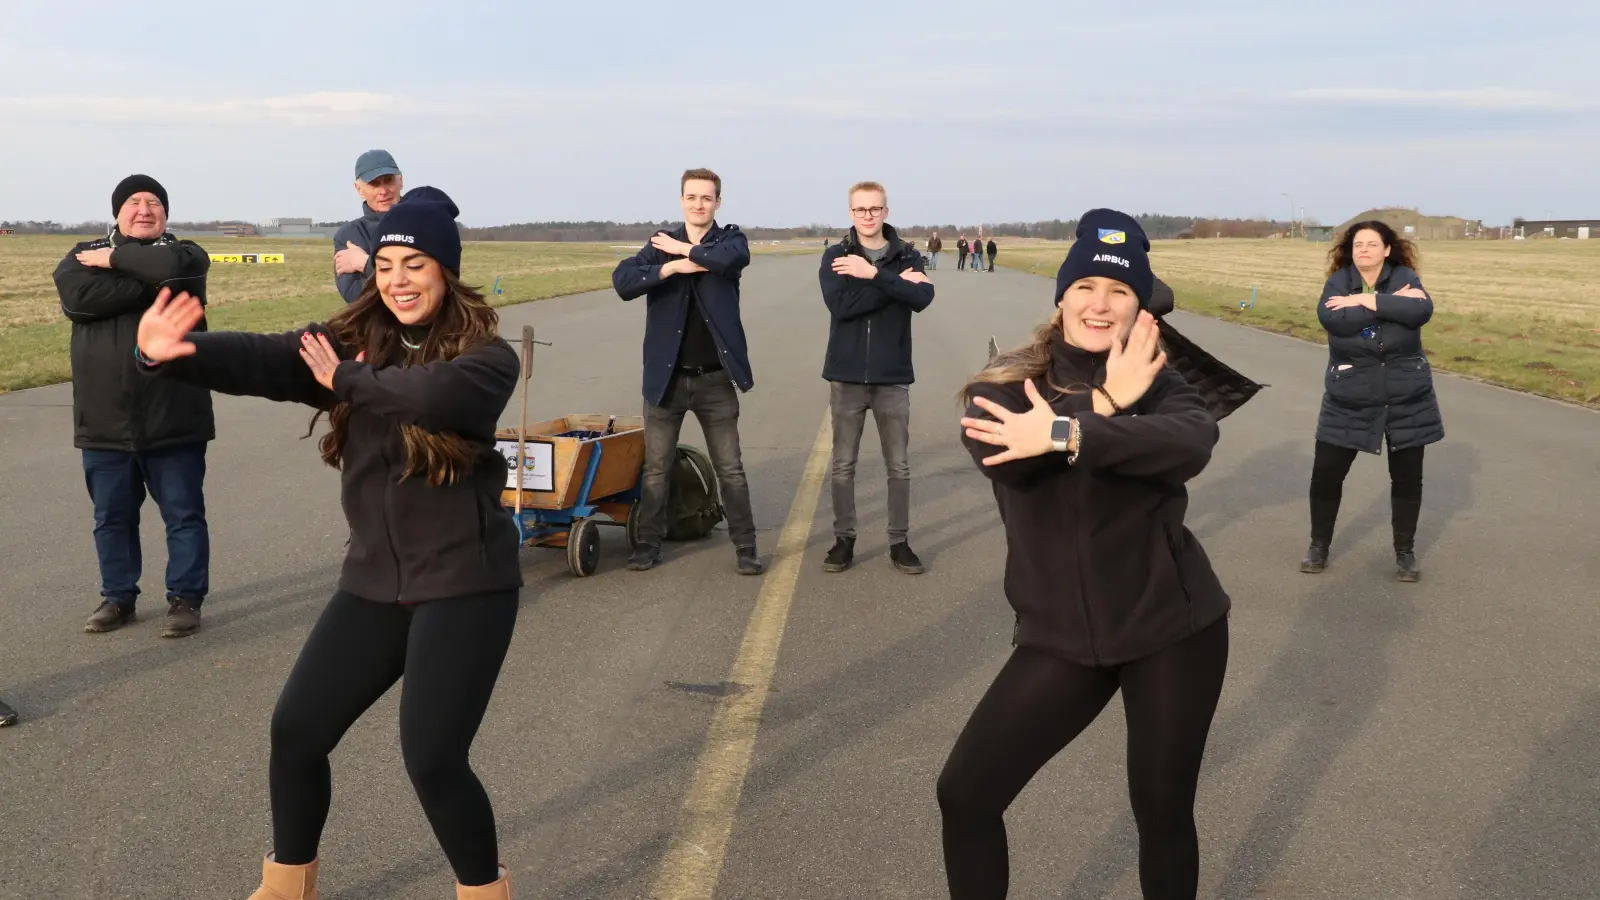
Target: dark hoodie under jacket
(869, 338)
(112, 407)
(409, 542)
(1099, 565)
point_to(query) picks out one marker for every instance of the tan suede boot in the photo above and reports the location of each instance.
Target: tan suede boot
(499, 890)
(287, 882)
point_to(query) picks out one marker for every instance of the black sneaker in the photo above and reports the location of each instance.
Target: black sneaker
(905, 559)
(110, 616)
(644, 557)
(1405, 566)
(839, 557)
(183, 619)
(749, 561)
(1316, 559)
(8, 716)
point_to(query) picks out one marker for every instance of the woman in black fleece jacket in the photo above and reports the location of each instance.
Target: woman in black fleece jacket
(413, 378)
(1089, 439)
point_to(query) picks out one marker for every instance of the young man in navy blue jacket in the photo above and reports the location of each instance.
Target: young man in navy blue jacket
(695, 360)
(872, 282)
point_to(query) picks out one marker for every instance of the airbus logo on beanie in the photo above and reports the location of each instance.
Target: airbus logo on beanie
(424, 218)
(1087, 257)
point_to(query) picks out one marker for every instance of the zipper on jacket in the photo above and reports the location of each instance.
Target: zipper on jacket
(1083, 588)
(388, 531)
(866, 355)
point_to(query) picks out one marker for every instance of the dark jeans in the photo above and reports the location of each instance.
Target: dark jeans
(175, 477)
(714, 401)
(991, 262)
(891, 410)
(1328, 471)
(449, 653)
(961, 259)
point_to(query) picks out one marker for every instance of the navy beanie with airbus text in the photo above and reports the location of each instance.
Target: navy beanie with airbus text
(1110, 244)
(424, 219)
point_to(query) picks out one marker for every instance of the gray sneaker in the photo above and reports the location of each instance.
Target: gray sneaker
(183, 619)
(749, 561)
(110, 616)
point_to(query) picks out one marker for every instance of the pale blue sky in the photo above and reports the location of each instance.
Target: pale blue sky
(969, 112)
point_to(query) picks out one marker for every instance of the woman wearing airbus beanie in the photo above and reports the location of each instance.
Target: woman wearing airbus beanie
(1089, 439)
(413, 378)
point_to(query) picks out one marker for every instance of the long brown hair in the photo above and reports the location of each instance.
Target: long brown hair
(1031, 360)
(1402, 252)
(464, 322)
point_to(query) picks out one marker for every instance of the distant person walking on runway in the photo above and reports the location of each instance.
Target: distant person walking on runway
(992, 251)
(379, 185)
(1378, 385)
(961, 253)
(872, 283)
(934, 246)
(1089, 438)
(138, 436)
(976, 262)
(695, 360)
(413, 377)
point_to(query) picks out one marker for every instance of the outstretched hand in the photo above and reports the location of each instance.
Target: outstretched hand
(321, 357)
(1023, 434)
(166, 323)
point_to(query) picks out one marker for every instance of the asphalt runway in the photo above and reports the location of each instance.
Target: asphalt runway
(1375, 739)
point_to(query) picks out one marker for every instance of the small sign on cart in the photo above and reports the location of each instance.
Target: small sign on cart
(538, 470)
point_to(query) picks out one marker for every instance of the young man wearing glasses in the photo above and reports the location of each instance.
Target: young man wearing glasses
(872, 282)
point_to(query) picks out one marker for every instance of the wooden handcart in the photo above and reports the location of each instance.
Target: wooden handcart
(577, 473)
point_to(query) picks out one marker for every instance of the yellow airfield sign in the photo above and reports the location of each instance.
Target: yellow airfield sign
(247, 257)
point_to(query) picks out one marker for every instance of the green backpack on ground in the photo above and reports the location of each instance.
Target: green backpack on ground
(694, 506)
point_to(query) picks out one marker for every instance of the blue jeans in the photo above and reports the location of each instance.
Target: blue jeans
(977, 262)
(933, 261)
(175, 477)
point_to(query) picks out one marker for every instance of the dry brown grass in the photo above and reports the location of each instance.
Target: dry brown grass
(1525, 314)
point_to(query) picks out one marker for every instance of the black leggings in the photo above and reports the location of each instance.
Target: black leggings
(1036, 706)
(450, 652)
(1328, 471)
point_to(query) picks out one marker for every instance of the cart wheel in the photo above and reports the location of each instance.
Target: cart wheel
(583, 548)
(632, 526)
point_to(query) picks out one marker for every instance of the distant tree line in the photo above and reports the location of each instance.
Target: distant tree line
(1155, 225)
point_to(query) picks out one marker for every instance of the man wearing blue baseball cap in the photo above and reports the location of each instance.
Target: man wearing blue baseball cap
(379, 185)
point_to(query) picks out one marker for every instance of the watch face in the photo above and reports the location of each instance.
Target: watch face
(1061, 430)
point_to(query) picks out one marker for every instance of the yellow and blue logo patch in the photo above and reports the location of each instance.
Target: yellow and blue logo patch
(1113, 236)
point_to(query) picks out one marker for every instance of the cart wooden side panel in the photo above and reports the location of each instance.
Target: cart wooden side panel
(620, 461)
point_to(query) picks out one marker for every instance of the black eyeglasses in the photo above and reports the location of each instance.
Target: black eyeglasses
(861, 212)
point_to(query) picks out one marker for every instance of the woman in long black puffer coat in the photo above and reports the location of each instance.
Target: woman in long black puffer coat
(1378, 384)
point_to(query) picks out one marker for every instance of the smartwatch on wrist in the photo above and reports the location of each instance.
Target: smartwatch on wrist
(1061, 433)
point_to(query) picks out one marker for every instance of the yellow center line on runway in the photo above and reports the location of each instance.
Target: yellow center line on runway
(693, 861)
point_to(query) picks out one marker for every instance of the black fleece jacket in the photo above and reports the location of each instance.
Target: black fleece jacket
(112, 407)
(1099, 565)
(409, 542)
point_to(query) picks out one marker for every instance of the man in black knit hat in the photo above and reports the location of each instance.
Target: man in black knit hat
(137, 434)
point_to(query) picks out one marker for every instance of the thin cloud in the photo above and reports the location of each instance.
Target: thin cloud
(315, 108)
(1489, 99)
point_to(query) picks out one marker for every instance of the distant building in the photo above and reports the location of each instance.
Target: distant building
(1316, 233)
(239, 230)
(1578, 229)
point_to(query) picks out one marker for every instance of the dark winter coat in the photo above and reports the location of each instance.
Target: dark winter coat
(1223, 388)
(724, 252)
(1378, 382)
(113, 408)
(409, 542)
(935, 245)
(869, 336)
(362, 232)
(1100, 568)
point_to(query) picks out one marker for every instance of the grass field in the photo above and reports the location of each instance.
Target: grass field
(1524, 314)
(34, 336)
